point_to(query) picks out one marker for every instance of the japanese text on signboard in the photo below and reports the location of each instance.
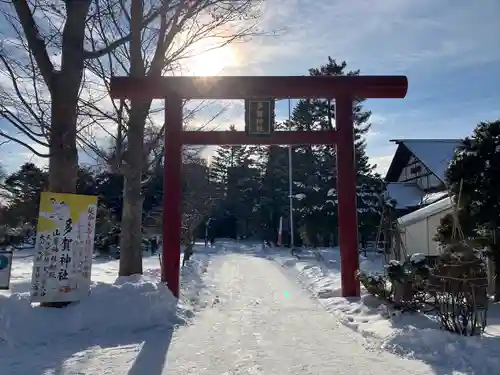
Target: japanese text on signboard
(64, 247)
(259, 116)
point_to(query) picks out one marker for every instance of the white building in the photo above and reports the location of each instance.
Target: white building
(419, 227)
(416, 182)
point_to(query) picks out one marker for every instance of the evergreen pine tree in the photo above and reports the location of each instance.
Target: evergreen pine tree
(225, 158)
(315, 174)
(274, 190)
(314, 170)
(237, 183)
(474, 176)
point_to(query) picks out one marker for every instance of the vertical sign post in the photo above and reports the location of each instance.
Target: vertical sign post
(280, 232)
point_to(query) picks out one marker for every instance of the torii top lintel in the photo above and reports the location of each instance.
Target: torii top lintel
(238, 87)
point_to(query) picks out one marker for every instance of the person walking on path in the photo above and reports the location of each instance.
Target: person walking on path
(209, 232)
(154, 245)
(207, 225)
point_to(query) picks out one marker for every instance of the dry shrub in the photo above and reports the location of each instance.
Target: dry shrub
(459, 285)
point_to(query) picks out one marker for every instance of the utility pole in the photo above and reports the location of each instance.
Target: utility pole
(290, 177)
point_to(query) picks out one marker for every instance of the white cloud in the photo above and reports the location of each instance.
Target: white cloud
(374, 132)
(378, 35)
(377, 119)
(382, 162)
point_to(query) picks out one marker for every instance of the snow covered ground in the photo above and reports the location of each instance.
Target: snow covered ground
(240, 312)
(409, 335)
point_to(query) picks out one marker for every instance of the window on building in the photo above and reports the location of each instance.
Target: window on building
(416, 169)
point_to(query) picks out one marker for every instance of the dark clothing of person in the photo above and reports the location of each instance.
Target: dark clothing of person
(209, 232)
(154, 245)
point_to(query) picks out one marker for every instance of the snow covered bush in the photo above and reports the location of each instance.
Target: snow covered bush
(375, 283)
(420, 270)
(409, 282)
(396, 271)
(403, 284)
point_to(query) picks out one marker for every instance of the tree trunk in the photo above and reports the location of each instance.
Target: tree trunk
(65, 86)
(497, 283)
(131, 237)
(131, 225)
(63, 161)
(491, 276)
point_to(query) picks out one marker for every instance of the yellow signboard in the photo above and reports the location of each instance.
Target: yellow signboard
(64, 247)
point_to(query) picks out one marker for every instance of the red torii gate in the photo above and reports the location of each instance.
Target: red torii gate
(344, 89)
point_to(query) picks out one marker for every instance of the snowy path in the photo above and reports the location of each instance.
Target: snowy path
(257, 329)
(264, 324)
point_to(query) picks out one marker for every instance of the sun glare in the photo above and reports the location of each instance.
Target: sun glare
(213, 62)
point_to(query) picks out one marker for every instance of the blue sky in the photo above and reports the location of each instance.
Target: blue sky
(449, 50)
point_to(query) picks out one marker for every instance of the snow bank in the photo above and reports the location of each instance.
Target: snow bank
(411, 335)
(129, 304)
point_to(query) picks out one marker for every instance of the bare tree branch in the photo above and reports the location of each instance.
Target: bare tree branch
(16, 140)
(35, 42)
(148, 19)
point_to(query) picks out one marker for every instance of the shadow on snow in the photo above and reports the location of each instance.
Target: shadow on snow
(58, 354)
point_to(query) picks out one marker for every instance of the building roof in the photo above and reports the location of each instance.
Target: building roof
(433, 197)
(435, 154)
(425, 212)
(405, 194)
